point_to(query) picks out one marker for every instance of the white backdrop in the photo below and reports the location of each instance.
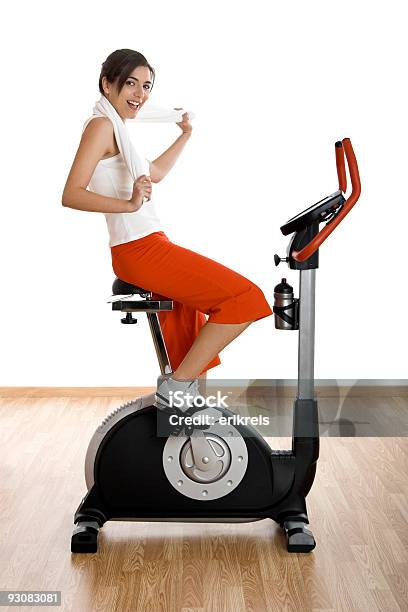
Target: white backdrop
(273, 85)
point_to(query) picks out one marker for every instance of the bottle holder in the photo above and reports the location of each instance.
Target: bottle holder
(281, 312)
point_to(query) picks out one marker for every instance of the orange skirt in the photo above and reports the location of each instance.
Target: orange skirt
(198, 286)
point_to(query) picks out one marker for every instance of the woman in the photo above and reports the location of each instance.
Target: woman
(142, 254)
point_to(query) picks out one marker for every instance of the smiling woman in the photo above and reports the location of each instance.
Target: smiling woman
(108, 175)
(127, 89)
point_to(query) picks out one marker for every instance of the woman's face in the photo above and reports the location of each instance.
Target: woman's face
(134, 94)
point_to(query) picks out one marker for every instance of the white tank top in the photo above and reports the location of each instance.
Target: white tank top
(111, 177)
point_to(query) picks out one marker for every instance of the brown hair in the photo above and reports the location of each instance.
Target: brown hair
(118, 66)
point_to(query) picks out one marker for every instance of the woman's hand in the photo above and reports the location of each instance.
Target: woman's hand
(185, 124)
(142, 188)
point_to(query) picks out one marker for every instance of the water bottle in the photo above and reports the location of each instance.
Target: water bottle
(285, 306)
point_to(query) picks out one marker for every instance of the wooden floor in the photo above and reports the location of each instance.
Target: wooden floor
(358, 508)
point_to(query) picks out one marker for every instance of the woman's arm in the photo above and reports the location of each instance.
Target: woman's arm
(94, 145)
(81, 199)
(163, 164)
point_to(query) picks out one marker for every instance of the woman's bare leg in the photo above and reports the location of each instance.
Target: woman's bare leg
(211, 339)
(202, 384)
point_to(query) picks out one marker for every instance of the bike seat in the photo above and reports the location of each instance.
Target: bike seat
(121, 287)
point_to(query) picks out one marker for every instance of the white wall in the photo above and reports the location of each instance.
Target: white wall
(273, 85)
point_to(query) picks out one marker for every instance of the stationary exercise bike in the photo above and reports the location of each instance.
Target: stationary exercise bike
(219, 473)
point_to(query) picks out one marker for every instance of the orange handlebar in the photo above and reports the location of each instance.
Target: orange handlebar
(341, 168)
(310, 248)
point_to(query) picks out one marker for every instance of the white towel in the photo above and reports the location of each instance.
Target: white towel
(103, 108)
(151, 113)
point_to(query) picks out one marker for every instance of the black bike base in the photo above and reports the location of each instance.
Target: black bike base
(130, 484)
(84, 539)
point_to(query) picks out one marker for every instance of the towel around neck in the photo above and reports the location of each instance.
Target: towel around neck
(133, 161)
